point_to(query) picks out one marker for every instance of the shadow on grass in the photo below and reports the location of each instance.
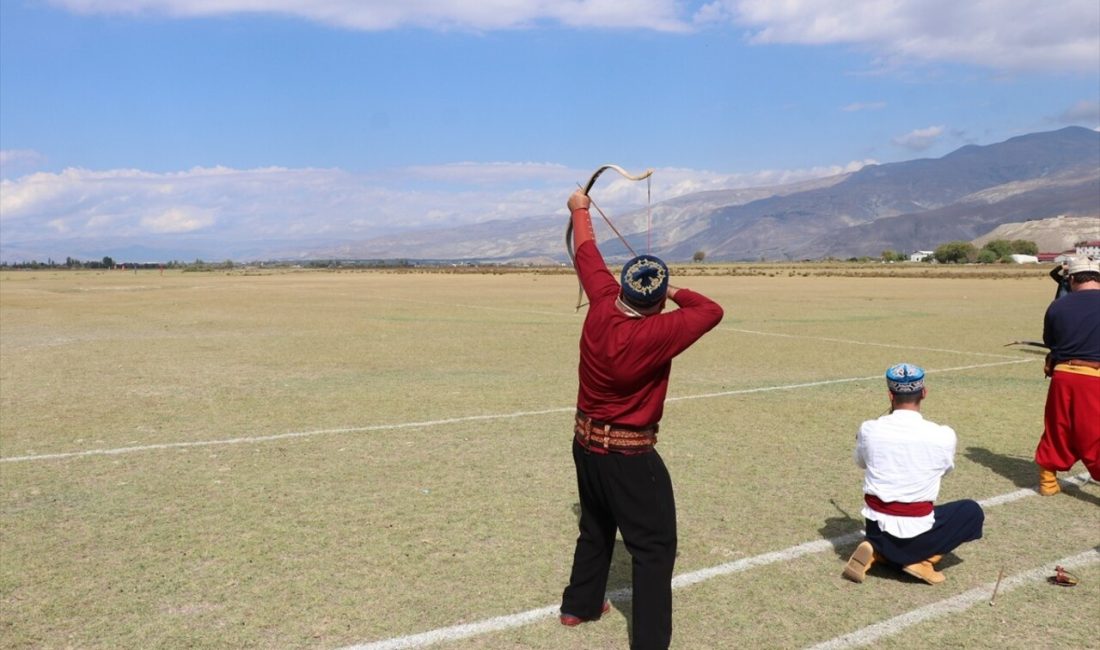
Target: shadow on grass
(842, 532)
(845, 533)
(887, 571)
(1023, 472)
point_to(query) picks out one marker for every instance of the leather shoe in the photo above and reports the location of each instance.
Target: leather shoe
(1048, 483)
(862, 558)
(925, 571)
(572, 621)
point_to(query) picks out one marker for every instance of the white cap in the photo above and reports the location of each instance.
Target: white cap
(1081, 265)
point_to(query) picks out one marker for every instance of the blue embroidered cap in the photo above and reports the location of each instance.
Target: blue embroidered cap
(644, 281)
(905, 378)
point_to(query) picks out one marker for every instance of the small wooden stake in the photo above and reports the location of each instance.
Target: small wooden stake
(1000, 576)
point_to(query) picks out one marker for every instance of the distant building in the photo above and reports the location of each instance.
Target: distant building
(1089, 248)
(1025, 259)
(920, 256)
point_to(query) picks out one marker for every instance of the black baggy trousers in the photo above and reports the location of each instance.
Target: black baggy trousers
(634, 494)
(956, 523)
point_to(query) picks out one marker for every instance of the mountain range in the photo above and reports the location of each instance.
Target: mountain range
(904, 206)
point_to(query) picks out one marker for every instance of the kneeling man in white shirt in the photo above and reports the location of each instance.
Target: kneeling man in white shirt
(905, 456)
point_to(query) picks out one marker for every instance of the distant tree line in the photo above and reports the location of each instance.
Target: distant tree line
(72, 263)
(200, 265)
(998, 250)
(955, 252)
(963, 252)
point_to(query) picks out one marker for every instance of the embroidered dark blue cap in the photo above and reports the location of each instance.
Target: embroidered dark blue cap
(644, 281)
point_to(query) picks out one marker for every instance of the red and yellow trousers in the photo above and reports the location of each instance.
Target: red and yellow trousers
(1071, 430)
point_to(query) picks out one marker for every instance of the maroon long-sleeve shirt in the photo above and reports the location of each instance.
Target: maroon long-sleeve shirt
(625, 361)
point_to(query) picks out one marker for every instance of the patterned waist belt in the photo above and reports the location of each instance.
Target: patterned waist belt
(605, 437)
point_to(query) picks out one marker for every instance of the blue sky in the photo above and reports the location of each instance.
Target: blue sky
(154, 121)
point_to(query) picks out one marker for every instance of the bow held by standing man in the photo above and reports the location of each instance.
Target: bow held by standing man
(627, 345)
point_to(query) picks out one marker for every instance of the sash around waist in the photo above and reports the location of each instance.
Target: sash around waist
(898, 508)
(1079, 367)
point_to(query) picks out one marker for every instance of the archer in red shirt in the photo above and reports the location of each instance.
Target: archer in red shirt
(626, 351)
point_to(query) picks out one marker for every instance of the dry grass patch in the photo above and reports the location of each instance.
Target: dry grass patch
(433, 485)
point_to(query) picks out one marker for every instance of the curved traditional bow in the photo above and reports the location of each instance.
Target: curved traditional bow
(587, 188)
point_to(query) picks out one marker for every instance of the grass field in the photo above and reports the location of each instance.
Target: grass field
(330, 459)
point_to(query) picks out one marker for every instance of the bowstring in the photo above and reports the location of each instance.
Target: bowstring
(649, 225)
(648, 214)
(611, 225)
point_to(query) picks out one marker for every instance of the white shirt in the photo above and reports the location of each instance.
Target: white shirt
(904, 456)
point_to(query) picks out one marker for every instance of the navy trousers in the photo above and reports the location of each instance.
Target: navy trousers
(957, 522)
(633, 494)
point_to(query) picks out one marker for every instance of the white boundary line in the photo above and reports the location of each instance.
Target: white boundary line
(510, 621)
(869, 343)
(432, 423)
(959, 603)
(277, 436)
(727, 329)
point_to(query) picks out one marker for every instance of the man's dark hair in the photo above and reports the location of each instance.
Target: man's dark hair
(908, 398)
(1086, 276)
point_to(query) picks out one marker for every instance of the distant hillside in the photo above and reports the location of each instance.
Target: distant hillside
(967, 219)
(1052, 235)
(904, 206)
(914, 205)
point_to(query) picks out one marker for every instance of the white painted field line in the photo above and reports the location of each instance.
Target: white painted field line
(510, 621)
(816, 546)
(963, 601)
(280, 436)
(456, 632)
(868, 343)
(727, 329)
(846, 380)
(431, 423)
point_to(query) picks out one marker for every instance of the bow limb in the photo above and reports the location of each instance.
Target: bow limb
(588, 188)
(573, 261)
(625, 174)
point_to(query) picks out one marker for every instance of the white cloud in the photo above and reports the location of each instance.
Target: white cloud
(375, 15)
(679, 182)
(920, 139)
(17, 156)
(1084, 111)
(14, 161)
(999, 34)
(274, 203)
(178, 219)
(863, 106)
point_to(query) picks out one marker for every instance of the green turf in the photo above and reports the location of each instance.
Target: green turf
(432, 484)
